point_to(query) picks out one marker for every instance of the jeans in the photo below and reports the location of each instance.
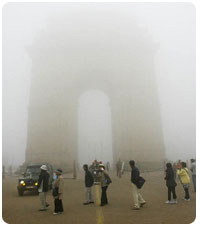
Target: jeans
(104, 199)
(88, 195)
(187, 196)
(171, 190)
(43, 199)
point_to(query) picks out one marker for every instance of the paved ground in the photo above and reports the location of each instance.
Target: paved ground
(20, 210)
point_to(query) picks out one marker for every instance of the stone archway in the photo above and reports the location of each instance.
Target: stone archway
(94, 128)
(70, 63)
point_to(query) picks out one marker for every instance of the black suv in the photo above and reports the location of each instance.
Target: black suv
(30, 180)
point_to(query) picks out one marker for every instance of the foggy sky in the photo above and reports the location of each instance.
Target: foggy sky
(172, 27)
(95, 134)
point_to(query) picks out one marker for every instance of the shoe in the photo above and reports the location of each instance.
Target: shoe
(92, 202)
(174, 201)
(86, 203)
(61, 212)
(55, 213)
(42, 209)
(142, 204)
(187, 199)
(135, 208)
(168, 201)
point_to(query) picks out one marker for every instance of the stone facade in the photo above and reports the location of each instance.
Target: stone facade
(70, 59)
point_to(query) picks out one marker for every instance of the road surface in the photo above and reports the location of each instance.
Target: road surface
(24, 210)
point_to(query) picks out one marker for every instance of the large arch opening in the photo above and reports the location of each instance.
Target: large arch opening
(94, 128)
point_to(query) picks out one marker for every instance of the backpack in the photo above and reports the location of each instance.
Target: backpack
(140, 182)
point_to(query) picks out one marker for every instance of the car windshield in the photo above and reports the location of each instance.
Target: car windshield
(33, 170)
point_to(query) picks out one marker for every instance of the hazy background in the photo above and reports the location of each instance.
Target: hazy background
(171, 25)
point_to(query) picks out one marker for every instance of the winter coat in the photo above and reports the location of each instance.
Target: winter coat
(59, 183)
(43, 181)
(135, 174)
(170, 180)
(89, 180)
(184, 175)
(103, 176)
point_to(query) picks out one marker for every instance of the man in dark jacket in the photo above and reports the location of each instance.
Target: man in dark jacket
(171, 184)
(43, 183)
(137, 197)
(193, 170)
(89, 180)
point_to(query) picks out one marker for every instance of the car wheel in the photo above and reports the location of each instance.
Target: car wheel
(20, 192)
(50, 186)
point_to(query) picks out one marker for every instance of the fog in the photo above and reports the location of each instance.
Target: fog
(95, 134)
(172, 28)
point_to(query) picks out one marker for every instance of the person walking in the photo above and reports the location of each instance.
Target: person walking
(174, 167)
(119, 166)
(105, 181)
(171, 184)
(135, 177)
(183, 173)
(43, 183)
(193, 170)
(108, 166)
(89, 181)
(58, 187)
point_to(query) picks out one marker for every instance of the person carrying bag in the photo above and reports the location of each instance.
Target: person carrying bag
(137, 182)
(105, 181)
(57, 193)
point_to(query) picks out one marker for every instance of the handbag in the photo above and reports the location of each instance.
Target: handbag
(55, 192)
(140, 182)
(107, 179)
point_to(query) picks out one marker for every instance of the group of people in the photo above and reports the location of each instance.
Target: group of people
(182, 172)
(95, 165)
(58, 185)
(104, 180)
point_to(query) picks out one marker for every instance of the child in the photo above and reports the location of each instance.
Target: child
(171, 184)
(185, 179)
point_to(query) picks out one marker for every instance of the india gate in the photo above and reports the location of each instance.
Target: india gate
(93, 50)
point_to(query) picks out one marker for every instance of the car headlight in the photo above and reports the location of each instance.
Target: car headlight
(22, 183)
